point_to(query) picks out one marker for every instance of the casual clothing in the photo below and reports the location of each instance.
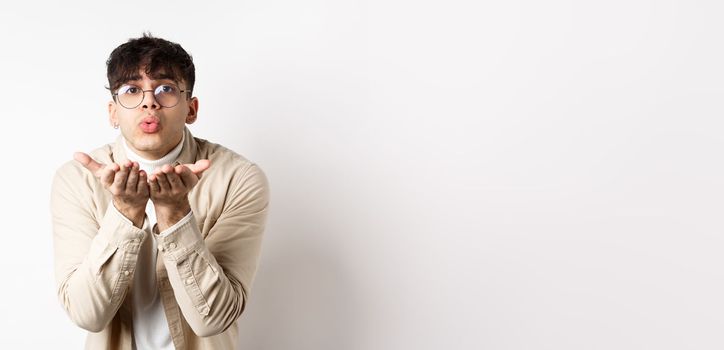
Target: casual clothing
(206, 262)
(150, 329)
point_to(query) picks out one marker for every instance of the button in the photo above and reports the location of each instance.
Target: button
(189, 280)
(126, 273)
(161, 248)
(172, 245)
(205, 310)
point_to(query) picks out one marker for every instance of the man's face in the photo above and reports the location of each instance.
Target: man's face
(150, 129)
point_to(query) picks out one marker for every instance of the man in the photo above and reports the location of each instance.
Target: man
(157, 236)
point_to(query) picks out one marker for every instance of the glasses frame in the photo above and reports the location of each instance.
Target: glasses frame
(115, 96)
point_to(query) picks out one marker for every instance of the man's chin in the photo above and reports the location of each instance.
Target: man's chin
(145, 145)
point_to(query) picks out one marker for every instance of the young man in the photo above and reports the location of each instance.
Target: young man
(157, 236)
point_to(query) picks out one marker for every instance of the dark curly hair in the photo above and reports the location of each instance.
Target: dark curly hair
(156, 56)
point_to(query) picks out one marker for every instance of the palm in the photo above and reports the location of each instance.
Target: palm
(94, 167)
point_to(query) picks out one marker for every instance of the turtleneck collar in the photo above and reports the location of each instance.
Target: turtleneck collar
(150, 165)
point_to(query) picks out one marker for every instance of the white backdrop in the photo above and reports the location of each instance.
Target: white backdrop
(444, 175)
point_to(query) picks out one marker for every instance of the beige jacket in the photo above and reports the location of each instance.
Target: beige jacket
(205, 268)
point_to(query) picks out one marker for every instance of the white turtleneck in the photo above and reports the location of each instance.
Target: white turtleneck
(150, 327)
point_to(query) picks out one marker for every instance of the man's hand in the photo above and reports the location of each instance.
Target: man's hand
(126, 182)
(170, 187)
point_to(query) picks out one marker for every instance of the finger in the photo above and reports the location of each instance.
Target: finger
(199, 167)
(154, 173)
(108, 173)
(187, 177)
(153, 184)
(163, 184)
(132, 182)
(143, 185)
(88, 163)
(173, 179)
(119, 182)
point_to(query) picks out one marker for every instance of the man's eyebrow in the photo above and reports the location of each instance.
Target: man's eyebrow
(162, 76)
(134, 77)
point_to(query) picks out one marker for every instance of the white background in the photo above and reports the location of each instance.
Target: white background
(444, 175)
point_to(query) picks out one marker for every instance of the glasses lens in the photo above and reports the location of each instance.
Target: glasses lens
(130, 96)
(167, 95)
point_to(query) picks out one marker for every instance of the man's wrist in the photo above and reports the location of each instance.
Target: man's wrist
(134, 214)
(168, 215)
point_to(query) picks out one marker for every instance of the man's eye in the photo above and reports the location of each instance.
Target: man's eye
(165, 89)
(128, 89)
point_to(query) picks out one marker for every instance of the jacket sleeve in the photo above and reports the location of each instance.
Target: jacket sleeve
(211, 278)
(94, 257)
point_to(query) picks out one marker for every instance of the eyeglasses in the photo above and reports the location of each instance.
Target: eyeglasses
(131, 96)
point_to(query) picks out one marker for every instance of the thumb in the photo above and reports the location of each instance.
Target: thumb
(88, 162)
(199, 167)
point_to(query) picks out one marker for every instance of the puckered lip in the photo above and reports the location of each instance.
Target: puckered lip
(149, 119)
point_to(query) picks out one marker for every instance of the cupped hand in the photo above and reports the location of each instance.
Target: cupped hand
(170, 185)
(127, 184)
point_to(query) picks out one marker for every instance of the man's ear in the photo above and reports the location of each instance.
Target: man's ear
(112, 114)
(193, 110)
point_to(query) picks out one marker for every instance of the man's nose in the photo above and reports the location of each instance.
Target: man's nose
(149, 100)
